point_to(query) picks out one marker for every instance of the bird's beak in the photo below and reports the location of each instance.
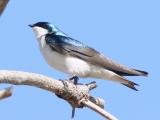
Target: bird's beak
(30, 26)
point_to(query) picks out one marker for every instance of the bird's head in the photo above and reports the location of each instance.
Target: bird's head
(43, 28)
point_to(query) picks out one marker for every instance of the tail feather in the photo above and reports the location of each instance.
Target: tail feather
(125, 82)
(131, 85)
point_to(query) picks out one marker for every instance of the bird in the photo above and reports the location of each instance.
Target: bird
(73, 57)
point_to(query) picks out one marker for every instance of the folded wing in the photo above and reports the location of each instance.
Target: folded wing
(68, 46)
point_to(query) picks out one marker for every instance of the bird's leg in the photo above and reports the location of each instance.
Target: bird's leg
(75, 81)
(74, 78)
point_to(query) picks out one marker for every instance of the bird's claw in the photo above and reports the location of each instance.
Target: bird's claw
(75, 79)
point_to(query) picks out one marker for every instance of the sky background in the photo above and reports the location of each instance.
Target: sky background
(127, 31)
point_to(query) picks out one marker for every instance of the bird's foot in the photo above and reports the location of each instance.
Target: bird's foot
(75, 79)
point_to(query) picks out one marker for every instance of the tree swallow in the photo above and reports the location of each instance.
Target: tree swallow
(75, 58)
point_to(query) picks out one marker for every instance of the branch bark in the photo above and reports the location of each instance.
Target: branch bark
(76, 95)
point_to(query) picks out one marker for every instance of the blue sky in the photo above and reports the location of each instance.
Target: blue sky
(126, 31)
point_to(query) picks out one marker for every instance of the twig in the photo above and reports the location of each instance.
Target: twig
(76, 95)
(5, 93)
(3, 4)
(99, 110)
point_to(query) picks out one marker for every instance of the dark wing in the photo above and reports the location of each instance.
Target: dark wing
(71, 47)
(68, 46)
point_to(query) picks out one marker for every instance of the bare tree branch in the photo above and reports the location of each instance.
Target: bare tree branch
(3, 4)
(76, 95)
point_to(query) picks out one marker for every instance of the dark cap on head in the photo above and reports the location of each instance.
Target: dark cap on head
(45, 25)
